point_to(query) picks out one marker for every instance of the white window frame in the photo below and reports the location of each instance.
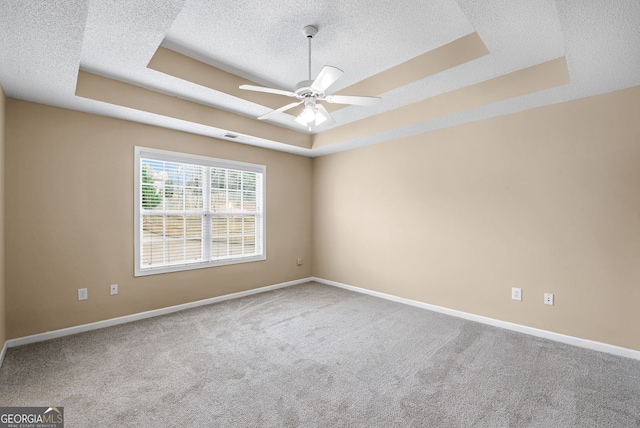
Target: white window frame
(169, 156)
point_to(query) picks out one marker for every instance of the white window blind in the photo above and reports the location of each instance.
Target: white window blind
(194, 212)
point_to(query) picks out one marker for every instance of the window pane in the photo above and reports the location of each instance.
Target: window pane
(176, 199)
(235, 246)
(174, 238)
(249, 201)
(235, 200)
(235, 225)
(193, 250)
(174, 226)
(219, 247)
(233, 235)
(169, 186)
(218, 178)
(249, 244)
(249, 225)
(193, 226)
(193, 238)
(249, 181)
(219, 200)
(151, 198)
(193, 177)
(235, 180)
(152, 244)
(219, 226)
(171, 239)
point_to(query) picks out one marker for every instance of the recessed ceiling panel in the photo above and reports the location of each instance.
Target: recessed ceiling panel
(40, 46)
(45, 43)
(263, 41)
(122, 35)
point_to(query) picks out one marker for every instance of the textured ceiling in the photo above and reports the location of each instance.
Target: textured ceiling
(45, 43)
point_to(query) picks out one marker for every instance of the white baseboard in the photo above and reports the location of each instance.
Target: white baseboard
(3, 352)
(575, 341)
(139, 316)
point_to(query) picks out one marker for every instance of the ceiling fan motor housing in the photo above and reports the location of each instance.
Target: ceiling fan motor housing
(304, 90)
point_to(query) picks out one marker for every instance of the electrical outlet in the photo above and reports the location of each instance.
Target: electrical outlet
(516, 293)
(83, 294)
(299, 262)
(113, 289)
(548, 299)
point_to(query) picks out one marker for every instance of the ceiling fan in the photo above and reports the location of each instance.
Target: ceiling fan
(309, 92)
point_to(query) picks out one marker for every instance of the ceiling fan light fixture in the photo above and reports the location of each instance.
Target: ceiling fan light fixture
(307, 116)
(320, 118)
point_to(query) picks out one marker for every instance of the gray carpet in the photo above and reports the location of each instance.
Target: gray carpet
(313, 355)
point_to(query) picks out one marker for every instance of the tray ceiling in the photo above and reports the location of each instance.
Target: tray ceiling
(436, 64)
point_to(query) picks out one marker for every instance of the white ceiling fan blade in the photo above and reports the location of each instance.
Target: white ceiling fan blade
(281, 109)
(267, 90)
(328, 75)
(323, 116)
(353, 100)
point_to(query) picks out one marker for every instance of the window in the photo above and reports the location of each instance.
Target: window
(194, 212)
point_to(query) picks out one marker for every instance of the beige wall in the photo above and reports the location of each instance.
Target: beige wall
(546, 200)
(69, 207)
(3, 335)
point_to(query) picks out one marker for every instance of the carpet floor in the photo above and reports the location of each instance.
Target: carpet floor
(313, 355)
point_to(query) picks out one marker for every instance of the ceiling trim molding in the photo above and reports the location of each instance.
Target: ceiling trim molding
(539, 77)
(450, 55)
(175, 64)
(112, 91)
(458, 52)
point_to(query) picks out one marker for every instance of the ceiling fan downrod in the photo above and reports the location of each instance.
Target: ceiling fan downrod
(309, 31)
